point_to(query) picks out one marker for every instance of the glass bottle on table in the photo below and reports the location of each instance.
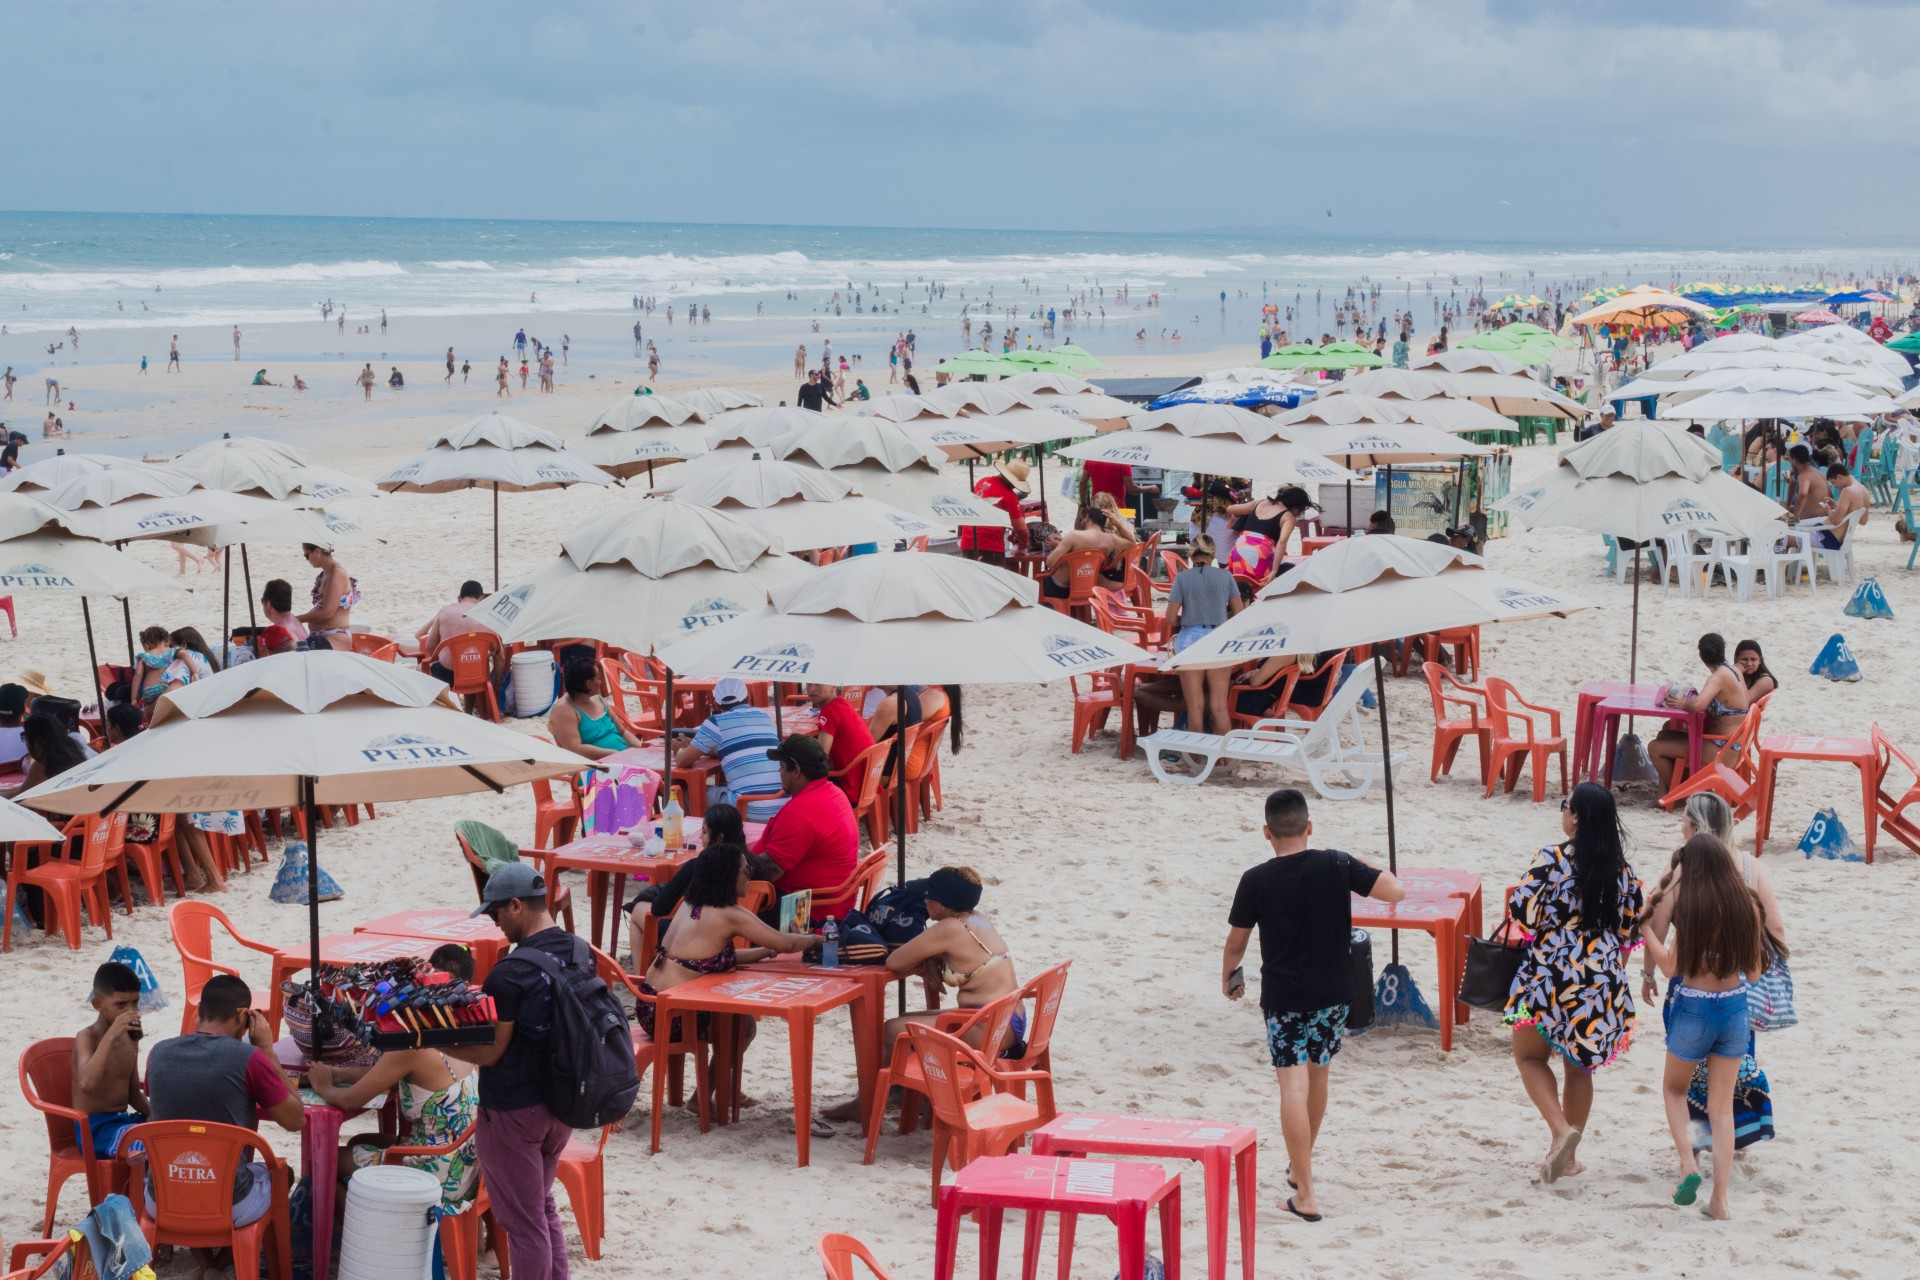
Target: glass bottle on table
(673, 822)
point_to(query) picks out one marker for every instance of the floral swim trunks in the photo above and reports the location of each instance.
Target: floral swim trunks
(1305, 1039)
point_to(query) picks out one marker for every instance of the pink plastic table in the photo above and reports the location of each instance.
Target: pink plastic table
(478, 934)
(320, 1148)
(1591, 693)
(1608, 713)
(1121, 1191)
(1221, 1149)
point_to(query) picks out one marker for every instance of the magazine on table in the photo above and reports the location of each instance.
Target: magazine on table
(796, 912)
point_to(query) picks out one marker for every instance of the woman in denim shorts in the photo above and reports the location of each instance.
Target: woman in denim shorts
(1719, 936)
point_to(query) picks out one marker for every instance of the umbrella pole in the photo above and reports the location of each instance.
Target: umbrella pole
(246, 580)
(93, 664)
(649, 474)
(666, 724)
(321, 1012)
(900, 834)
(1633, 647)
(126, 616)
(226, 606)
(1040, 461)
(778, 728)
(496, 535)
(1386, 777)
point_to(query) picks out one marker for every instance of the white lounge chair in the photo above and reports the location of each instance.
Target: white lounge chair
(1315, 746)
(1837, 561)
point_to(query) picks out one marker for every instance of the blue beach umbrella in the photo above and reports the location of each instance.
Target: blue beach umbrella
(1247, 395)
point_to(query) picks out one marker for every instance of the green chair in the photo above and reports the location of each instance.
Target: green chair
(487, 849)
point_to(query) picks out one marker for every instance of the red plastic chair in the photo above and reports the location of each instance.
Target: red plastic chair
(994, 1022)
(555, 818)
(1890, 811)
(460, 1232)
(1448, 734)
(837, 1255)
(975, 1113)
(867, 809)
(472, 658)
(1083, 577)
(110, 831)
(190, 923)
(583, 1172)
(853, 892)
(1289, 674)
(1114, 614)
(923, 754)
(6, 607)
(1313, 710)
(618, 685)
(379, 648)
(1732, 782)
(51, 1253)
(1508, 752)
(559, 897)
(666, 1058)
(46, 1082)
(197, 1211)
(1093, 704)
(1045, 992)
(1175, 564)
(67, 885)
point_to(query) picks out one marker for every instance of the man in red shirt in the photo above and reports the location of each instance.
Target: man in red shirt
(842, 732)
(1107, 477)
(813, 839)
(1004, 489)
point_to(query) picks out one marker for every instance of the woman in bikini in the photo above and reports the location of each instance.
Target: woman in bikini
(1723, 697)
(334, 595)
(698, 939)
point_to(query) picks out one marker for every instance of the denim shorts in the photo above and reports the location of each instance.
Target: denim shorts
(1700, 1023)
(1305, 1039)
(1190, 635)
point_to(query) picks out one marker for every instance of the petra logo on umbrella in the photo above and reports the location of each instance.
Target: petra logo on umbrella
(555, 471)
(1065, 652)
(1514, 598)
(1686, 511)
(1525, 501)
(409, 748)
(710, 613)
(1271, 639)
(168, 520)
(1125, 453)
(507, 607)
(36, 577)
(209, 795)
(777, 661)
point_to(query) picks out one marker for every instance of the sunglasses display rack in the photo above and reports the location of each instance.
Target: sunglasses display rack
(405, 1004)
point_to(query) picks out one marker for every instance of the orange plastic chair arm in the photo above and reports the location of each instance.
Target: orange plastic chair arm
(1473, 708)
(217, 968)
(27, 1250)
(55, 1109)
(394, 1155)
(1552, 713)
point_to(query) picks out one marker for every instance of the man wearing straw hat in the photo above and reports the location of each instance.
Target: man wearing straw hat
(1004, 488)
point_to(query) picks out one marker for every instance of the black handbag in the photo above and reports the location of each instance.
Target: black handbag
(1360, 962)
(1492, 965)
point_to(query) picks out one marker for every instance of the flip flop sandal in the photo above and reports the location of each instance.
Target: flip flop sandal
(1304, 1217)
(1688, 1191)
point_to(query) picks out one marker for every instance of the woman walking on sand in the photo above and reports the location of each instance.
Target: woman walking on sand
(1719, 936)
(500, 381)
(1582, 904)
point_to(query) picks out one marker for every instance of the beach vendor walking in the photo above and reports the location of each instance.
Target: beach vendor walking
(1299, 901)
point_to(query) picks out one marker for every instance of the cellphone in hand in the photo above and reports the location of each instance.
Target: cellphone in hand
(1237, 981)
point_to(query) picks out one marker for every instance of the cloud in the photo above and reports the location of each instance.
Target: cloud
(1491, 118)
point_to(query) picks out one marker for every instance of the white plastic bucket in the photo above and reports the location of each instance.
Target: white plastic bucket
(388, 1231)
(533, 680)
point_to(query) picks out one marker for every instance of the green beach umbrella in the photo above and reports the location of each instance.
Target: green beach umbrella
(1906, 342)
(968, 363)
(1335, 355)
(1077, 357)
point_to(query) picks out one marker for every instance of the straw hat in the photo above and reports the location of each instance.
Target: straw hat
(1014, 472)
(34, 681)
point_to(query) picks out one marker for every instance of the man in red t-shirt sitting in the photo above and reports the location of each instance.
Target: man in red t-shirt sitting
(1107, 477)
(813, 839)
(1004, 489)
(842, 732)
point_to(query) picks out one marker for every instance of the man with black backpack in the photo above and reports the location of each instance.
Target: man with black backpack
(561, 1059)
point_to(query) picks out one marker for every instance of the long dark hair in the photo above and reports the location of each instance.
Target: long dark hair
(1719, 926)
(48, 742)
(722, 825)
(1753, 647)
(955, 731)
(1293, 498)
(716, 876)
(1599, 856)
(190, 638)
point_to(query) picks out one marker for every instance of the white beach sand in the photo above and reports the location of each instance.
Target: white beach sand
(1426, 1162)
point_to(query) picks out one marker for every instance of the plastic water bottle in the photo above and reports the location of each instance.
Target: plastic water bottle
(830, 945)
(673, 821)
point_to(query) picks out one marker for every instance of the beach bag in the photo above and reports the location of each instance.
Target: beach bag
(589, 1078)
(860, 942)
(1360, 965)
(1631, 763)
(1492, 965)
(899, 912)
(1770, 999)
(1253, 556)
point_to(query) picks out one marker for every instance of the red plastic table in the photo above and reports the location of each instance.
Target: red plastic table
(1445, 917)
(1858, 752)
(1608, 713)
(320, 1148)
(749, 992)
(1591, 693)
(1222, 1150)
(477, 933)
(869, 1015)
(338, 948)
(1120, 1191)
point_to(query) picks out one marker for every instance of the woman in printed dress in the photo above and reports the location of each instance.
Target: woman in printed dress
(1582, 904)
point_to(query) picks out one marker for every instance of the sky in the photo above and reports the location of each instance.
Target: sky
(1695, 121)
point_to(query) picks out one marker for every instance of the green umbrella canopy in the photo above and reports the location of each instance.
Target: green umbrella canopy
(1038, 362)
(970, 362)
(1906, 342)
(1076, 356)
(1335, 355)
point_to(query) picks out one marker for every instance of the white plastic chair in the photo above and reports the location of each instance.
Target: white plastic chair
(1837, 560)
(1684, 564)
(1762, 560)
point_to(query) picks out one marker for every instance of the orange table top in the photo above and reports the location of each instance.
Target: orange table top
(358, 948)
(441, 924)
(1816, 748)
(1429, 882)
(752, 992)
(1409, 913)
(1139, 1135)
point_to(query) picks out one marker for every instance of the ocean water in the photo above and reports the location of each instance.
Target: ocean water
(110, 271)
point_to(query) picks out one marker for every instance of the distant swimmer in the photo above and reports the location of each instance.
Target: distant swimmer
(236, 342)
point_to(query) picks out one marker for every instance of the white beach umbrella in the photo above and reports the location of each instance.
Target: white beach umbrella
(636, 413)
(904, 619)
(1253, 373)
(759, 426)
(980, 397)
(1367, 445)
(1206, 420)
(172, 518)
(711, 402)
(1028, 384)
(1847, 345)
(1506, 394)
(26, 512)
(1089, 406)
(1273, 460)
(1721, 406)
(840, 442)
(926, 493)
(905, 408)
(1442, 413)
(1642, 451)
(1812, 377)
(105, 486)
(17, 822)
(1467, 360)
(54, 564)
(61, 469)
(629, 453)
(800, 507)
(885, 461)
(254, 466)
(493, 452)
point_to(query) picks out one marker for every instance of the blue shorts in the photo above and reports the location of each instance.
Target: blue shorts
(1305, 1039)
(106, 1129)
(1702, 1023)
(1189, 635)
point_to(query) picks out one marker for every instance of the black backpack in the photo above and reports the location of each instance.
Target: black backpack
(589, 1078)
(899, 912)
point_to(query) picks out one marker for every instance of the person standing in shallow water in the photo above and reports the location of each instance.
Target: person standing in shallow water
(1582, 903)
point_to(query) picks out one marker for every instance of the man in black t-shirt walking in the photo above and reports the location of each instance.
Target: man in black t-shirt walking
(1299, 901)
(519, 1139)
(816, 393)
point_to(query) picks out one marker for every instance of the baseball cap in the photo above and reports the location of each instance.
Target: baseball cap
(729, 691)
(13, 699)
(508, 882)
(803, 753)
(275, 638)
